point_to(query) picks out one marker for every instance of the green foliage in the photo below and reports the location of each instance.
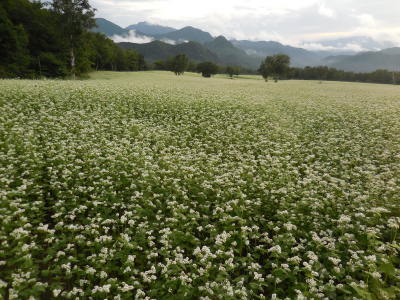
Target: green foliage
(33, 44)
(325, 73)
(230, 70)
(13, 43)
(160, 65)
(276, 66)
(192, 67)
(49, 65)
(179, 64)
(75, 17)
(207, 69)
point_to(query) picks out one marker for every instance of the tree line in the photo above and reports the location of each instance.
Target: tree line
(181, 63)
(53, 40)
(277, 67)
(330, 74)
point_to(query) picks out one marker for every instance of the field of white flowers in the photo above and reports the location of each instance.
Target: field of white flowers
(151, 186)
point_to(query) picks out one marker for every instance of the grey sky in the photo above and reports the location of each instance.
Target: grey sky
(287, 21)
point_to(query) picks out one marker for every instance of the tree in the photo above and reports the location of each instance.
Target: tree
(207, 69)
(34, 44)
(264, 70)
(232, 71)
(192, 67)
(159, 65)
(276, 66)
(179, 64)
(75, 17)
(43, 46)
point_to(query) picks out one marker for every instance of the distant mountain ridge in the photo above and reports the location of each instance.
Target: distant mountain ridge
(230, 55)
(108, 28)
(185, 34)
(150, 29)
(200, 45)
(299, 57)
(388, 59)
(158, 50)
(354, 44)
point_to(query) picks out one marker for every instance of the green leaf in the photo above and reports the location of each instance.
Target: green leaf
(388, 269)
(363, 293)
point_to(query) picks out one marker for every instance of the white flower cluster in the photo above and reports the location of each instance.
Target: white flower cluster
(143, 188)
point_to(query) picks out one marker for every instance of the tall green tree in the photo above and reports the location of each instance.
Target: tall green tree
(207, 69)
(179, 64)
(232, 70)
(75, 18)
(276, 66)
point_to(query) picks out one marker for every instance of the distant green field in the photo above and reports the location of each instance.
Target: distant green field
(154, 186)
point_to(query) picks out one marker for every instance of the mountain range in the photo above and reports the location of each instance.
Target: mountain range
(158, 50)
(199, 45)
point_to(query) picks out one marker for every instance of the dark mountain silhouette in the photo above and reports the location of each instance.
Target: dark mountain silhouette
(150, 29)
(388, 59)
(185, 34)
(158, 50)
(228, 54)
(299, 57)
(108, 28)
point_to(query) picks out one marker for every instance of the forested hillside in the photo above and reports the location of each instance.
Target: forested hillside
(34, 43)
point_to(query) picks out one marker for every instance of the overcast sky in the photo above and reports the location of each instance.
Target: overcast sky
(287, 21)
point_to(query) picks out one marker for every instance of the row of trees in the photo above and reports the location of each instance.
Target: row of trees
(39, 40)
(325, 73)
(180, 63)
(277, 67)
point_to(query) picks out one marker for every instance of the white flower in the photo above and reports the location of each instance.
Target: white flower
(376, 275)
(103, 274)
(371, 258)
(276, 249)
(90, 270)
(344, 219)
(131, 258)
(56, 292)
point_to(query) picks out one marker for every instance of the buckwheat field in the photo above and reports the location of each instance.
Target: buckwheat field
(152, 186)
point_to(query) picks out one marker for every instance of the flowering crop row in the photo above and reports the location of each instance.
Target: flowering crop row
(142, 188)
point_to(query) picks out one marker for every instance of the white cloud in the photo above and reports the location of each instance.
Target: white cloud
(323, 10)
(287, 21)
(168, 41)
(132, 37)
(366, 20)
(320, 47)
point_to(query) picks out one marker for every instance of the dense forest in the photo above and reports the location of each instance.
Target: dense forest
(33, 44)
